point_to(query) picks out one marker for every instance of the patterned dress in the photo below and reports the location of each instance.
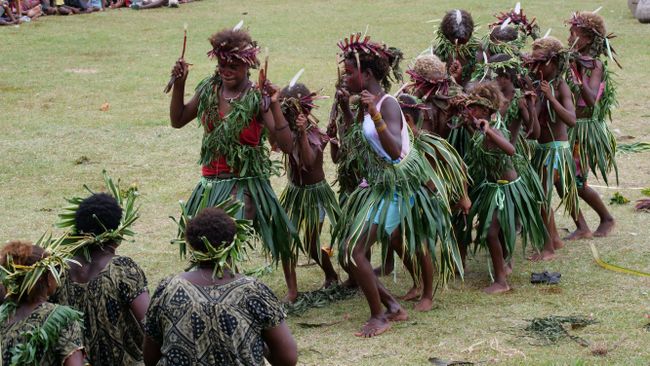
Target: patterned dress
(111, 333)
(68, 336)
(212, 325)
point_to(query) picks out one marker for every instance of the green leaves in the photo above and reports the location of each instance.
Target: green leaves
(618, 199)
(125, 197)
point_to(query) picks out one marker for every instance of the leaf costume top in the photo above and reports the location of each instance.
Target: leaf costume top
(233, 142)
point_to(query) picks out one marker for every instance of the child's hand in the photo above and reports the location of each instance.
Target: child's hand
(481, 124)
(273, 91)
(545, 86)
(456, 70)
(343, 97)
(368, 99)
(180, 70)
(332, 129)
(301, 123)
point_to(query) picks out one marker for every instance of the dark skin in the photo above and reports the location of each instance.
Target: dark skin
(562, 104)
(235, 82)
(363, 82)
(527, 111)
(27, 306)
(438, 120)
(99, 259)
(494, 140)
(280, 347)
(311, 160)
(590, 80)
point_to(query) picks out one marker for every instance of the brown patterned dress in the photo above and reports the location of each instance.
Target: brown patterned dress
(68, 339)
(112, 335)
(212, 325)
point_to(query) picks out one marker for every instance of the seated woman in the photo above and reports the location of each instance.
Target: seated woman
(28, 281)
(212, 316)
(111, 290)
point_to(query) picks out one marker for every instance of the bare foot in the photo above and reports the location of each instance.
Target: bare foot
(373, 327)
(425, 304)
(497, 288)
(398, 315)
(411, 295)
(605, 228)
(291, 297)
(578, 235)
(544, 255)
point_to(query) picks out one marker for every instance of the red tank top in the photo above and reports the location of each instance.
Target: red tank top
(250, 135)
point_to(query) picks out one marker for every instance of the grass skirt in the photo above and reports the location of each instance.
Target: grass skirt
(553, 161)
(424, 216)
(303, 205)
(511, 202)
(271, 222)
(596, 150)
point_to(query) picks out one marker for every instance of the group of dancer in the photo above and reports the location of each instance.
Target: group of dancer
(466, 155)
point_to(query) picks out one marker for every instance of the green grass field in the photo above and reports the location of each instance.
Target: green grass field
(56, 73)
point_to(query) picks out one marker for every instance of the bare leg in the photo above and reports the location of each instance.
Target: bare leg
(414, 292)
(323, 259)
(553, 240)
(426, 301)
(496, 253)
(592, 198)
(362, 271)
(289, 268)
(387, 266)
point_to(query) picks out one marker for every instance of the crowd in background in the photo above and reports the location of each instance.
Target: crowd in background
(14, 12)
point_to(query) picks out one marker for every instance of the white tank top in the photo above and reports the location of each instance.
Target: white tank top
(370, 132)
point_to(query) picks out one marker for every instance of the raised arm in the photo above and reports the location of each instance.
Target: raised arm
(564, 106)
(180, 113)
(494, 136)
(307, 154)
(388, 123)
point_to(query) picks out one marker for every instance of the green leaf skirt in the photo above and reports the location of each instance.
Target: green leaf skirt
(305, 206)
(271, 223)
(519, 201)
(596, 149)
(553, 162)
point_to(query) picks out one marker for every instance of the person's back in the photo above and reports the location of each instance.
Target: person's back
(67, 334)
(210, 315)
(218, 324)
(109, 289)
(112, 334)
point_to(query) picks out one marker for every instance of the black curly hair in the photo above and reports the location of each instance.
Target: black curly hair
(380, 67)
(454, 30)
(509, 72)
(211, 223)
(507, 34)
(97, 214)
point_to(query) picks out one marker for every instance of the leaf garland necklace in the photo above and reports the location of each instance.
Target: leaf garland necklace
(221, 136)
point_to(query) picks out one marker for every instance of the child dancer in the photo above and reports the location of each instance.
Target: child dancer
(594, 143)
(556, 113)
(308, 197)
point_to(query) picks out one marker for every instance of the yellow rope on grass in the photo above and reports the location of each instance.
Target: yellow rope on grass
(613, 267)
